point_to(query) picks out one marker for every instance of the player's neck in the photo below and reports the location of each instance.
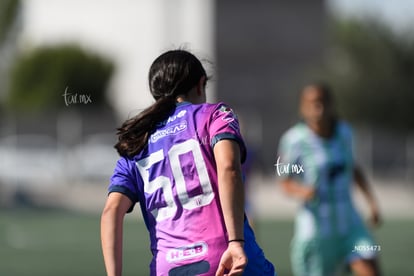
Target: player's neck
(181, 99)
(323, 128)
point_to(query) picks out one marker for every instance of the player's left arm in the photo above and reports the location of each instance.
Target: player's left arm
(362, 183)
(231, 193)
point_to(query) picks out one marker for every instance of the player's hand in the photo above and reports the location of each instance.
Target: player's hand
(375, 218)
(308, 193)
(233, 261)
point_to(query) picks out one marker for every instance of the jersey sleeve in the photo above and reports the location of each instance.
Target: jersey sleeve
(288, 153)
(347, 136)
(123, 181)
(225, 125)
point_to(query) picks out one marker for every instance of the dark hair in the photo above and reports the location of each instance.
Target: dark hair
(327, 96)
(324, 88)
(172, 74)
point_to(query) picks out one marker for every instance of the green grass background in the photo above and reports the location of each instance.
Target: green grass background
(52, 242)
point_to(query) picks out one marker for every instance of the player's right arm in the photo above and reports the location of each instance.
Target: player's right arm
(295, 189)
(288, 153)
(112, 220)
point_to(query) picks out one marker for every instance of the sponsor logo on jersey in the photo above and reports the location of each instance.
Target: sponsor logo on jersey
(225, 109)
(187, 252)
(172, 118)
(229, 115)
(171, 130)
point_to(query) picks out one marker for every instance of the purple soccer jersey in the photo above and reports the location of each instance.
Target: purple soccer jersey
(174, 179)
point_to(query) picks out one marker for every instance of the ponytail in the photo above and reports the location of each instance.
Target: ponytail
(172, 74)
(134, 133)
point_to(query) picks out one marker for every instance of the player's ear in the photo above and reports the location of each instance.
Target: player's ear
(201, 85)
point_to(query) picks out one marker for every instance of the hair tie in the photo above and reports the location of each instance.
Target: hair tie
(236, 240)
(169, 95)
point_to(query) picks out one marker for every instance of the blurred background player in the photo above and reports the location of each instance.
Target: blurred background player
(316, 165)
(181, 160)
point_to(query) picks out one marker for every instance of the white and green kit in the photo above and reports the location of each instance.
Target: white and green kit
(328, 229)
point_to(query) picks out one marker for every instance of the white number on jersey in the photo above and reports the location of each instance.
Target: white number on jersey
(163, 182)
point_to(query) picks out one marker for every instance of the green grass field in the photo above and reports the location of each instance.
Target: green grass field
(51, 242)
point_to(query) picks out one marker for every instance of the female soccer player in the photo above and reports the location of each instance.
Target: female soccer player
(316, 165)
(181, 160)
